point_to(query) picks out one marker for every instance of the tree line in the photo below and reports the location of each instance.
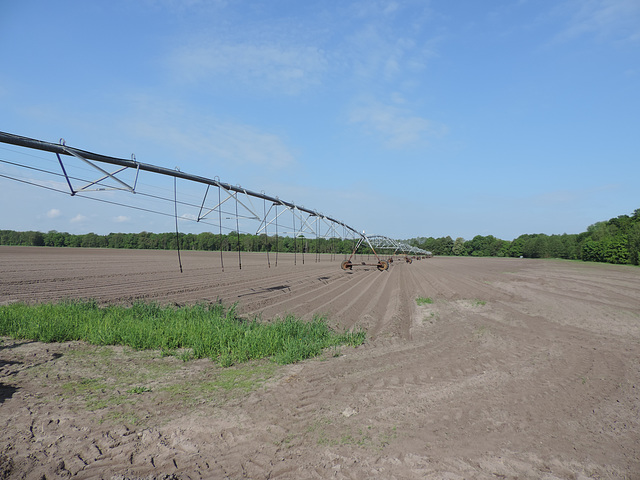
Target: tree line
(188, 241)
(616, 240)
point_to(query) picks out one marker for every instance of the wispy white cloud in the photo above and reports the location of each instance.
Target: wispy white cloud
(53, 213)
(377, 51)
(208, 137)
(387, 54)
(397, 126)
(282, 68)
(379, 40)
(375, 8)
(606, 19)
(122, 219)
(79, 218)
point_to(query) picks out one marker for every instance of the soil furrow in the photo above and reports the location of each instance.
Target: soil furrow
(511, 368)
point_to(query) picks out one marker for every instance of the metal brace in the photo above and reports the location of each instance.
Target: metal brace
(106, 174)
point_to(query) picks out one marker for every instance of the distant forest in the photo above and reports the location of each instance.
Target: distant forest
(188, 241)
(613, 241)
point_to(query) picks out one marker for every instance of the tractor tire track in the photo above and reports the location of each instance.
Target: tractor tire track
(517, 369)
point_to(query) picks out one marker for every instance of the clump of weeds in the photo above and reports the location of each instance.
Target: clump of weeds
(424, 301)
(188, 332)
(138, 390)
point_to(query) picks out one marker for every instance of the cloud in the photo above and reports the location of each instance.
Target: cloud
(388, 43)
(375, 54)
(53, 213)
(605, 19)
(79, 218)
(195, 135)
(396, 126)
(121, 219)
(372, 40)
(285, 69)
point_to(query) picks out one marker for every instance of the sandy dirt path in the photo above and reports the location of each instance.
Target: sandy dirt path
(517, 369)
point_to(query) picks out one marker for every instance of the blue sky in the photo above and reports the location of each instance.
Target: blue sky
(401, 118)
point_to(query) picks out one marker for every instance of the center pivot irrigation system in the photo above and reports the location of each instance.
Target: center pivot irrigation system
(232, 202)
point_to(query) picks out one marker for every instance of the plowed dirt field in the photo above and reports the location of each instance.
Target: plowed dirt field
(516, 369)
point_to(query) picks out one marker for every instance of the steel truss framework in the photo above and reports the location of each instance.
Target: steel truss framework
(273, 215)
(385, 243)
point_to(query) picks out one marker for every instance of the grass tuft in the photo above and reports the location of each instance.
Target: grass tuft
(424, 300)
(138, 390)
(199, 331)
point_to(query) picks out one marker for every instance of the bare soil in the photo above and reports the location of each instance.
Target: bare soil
(517, 369)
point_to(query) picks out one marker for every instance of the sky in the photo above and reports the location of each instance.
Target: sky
(400, 118)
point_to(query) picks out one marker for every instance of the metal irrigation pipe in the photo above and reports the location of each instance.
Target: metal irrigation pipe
(63, 149)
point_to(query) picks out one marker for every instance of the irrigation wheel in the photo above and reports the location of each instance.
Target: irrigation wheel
(347, 265)
(382, 265)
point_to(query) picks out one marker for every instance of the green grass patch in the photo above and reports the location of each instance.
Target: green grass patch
(199, 331)
(97, 402)
(217, 386)
(129, 418)
(83, 386)
(424, 300)
(138, 390)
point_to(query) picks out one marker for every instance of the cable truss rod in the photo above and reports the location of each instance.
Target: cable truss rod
(62, 149)
(385, 243)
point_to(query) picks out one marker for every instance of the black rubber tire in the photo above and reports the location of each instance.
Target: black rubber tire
(383, 265)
